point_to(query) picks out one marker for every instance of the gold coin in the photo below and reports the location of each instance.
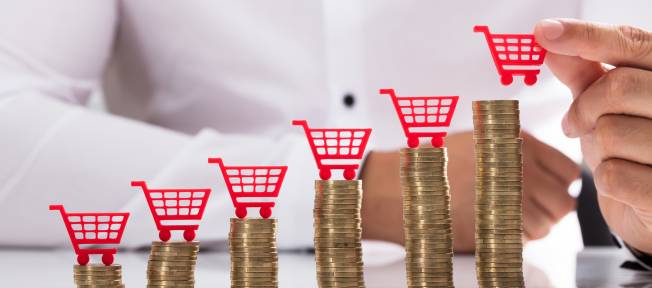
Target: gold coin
(338, 184)
(97, 267)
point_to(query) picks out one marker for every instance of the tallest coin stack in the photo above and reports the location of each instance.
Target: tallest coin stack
(499, 175)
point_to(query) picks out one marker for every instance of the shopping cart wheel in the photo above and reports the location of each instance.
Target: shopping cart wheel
(349, 174)
(413, 142)
(189, 235)
(530, 79)
(324, 174)
(265, 212)
(241, 212)
(83, 259)
(506, 79)
(164, 235)
(107, 259)
(437, 142)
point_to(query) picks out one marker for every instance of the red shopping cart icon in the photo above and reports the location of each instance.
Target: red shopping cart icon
(175, 205)
(332, 144)
(420, 114)
(514, 54)
(93, 228)
(252, 186)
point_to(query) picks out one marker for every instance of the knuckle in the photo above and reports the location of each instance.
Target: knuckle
(561, 209)
(635, 42)
(559, 213)
(589, 33)
(565, 208)
(619, 82)
(539, 231)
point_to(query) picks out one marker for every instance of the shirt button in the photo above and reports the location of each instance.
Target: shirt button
(348, 100)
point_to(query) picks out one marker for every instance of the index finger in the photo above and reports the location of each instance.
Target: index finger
(612, 44)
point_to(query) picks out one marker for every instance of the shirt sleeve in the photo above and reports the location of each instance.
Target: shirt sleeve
(56, 151)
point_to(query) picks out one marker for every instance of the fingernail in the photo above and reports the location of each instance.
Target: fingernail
(551, 29)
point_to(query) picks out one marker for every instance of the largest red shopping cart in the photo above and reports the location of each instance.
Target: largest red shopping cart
(91, 228)
(336, 144)
(514, 54)
(419, 115)
(252, 186)
(175, 205)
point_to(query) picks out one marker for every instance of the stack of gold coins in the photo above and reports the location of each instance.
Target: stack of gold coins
(94, 275)
(426, 218)
(172, 264)
(338, 233)
(499, 176)
(254, 258)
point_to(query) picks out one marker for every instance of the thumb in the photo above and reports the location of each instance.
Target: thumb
(571, 69)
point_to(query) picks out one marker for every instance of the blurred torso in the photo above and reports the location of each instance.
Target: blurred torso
(252, 66)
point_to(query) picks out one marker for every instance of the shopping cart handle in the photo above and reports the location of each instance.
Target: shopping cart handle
(387, 91)
(56, 207)
(215, 161)
(138, 184)
(300, 122)
(481, 28)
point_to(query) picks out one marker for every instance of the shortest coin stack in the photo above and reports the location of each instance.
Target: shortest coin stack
(254, 258)
(172, 264)
(94, 275)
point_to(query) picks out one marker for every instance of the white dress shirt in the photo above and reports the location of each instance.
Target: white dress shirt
(186, 80)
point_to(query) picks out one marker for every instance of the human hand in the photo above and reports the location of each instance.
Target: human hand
(547, 175)
(611, 114)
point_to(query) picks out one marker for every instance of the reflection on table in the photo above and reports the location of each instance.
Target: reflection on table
(383, 269)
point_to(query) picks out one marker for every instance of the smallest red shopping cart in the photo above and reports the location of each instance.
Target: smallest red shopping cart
(332, 146)
(420, 116)
(172, 209)
(252, 186)
(514, 54)
(93, 228)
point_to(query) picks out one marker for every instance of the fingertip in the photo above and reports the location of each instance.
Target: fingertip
(603, 178)
(564, 125)
(568, 126)
(571, 121)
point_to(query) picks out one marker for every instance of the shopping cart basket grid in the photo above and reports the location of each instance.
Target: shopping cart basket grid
(421, 115)
(175, 205)
(336, 144)
(514, 54)
(93, 228)
(252, 186)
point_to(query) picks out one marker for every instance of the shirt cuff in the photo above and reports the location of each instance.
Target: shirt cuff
(642, 258)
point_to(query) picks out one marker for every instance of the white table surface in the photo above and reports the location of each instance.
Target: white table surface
(53, 268)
